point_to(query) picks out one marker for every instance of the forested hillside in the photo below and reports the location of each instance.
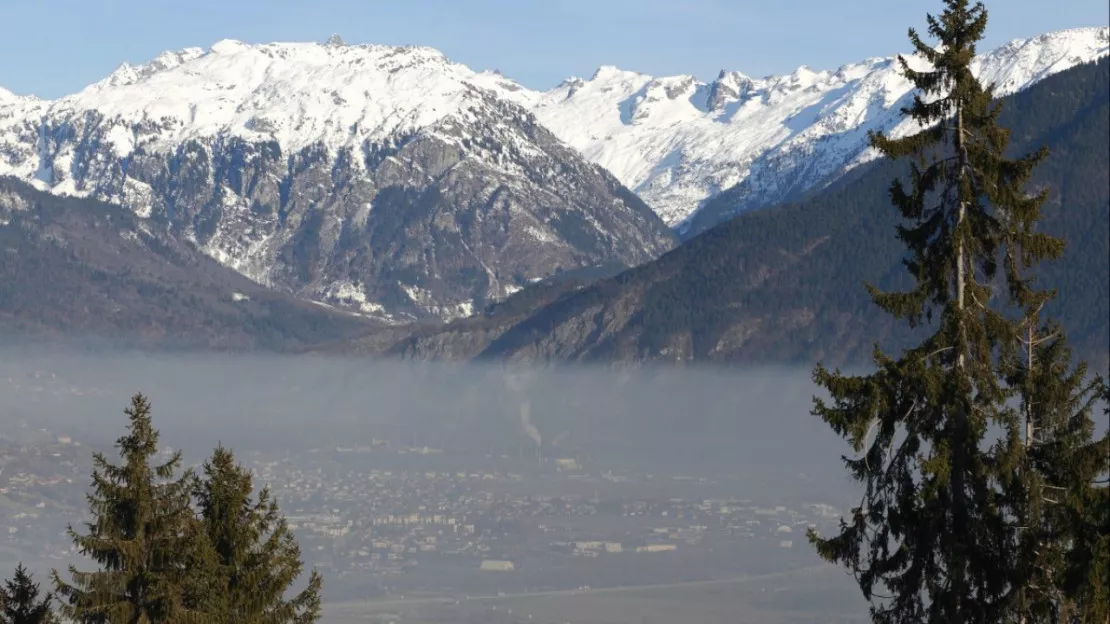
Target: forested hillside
(80, 270)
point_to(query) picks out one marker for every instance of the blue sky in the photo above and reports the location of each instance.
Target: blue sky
(54, 47)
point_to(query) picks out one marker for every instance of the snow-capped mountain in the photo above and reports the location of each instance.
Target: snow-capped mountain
(784, 285)
(393, 180)
(384, 178)
(678, 142)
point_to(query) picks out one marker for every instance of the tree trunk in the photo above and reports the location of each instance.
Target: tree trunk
(959, 460)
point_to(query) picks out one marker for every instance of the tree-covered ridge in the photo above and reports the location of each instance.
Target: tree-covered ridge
(783, 284)
(80, 270)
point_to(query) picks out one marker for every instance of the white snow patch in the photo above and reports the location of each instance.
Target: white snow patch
(121, 139)
(349, 293)
(138, 195)
(452, 311)
(542, 235)
(247, 257)
(13, 202)
(445, 311)
(416, 294)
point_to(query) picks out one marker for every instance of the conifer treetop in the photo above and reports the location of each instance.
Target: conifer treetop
(20, 602)
(143, 535)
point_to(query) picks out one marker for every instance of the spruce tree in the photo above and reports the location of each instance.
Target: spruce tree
(20, 602)
(1057, 505)
(256, 558)
(143, 535)
(1053, 494)
(934, 537)
(1086, 505)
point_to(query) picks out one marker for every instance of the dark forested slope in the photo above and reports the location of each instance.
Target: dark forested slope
(75, 269)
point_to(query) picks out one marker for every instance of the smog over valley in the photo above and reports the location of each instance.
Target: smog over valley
(527, 313)
(410, 479)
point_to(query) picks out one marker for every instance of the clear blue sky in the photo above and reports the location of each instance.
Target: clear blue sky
(53, 47)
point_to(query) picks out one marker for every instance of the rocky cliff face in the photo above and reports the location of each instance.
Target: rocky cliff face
(406, 190)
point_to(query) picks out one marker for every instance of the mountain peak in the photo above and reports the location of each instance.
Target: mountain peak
(295, 93)
(255, 152)
(604, 72)
(129, 74)
(7, 96)
(776, 135)
(228, 46)
(732, 76)
(1023, 61)
(675, 140)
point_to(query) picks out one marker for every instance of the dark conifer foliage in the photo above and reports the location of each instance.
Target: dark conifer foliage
(1052, 488)
(20, 602)
(1086, 516)
(143, 535)
(175, 548)
(948, 529)
(256, 559)
(1057, 504)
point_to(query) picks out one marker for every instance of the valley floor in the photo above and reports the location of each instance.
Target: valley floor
(810, 594)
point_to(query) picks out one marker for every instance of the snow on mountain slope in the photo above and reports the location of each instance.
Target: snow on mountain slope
(274, 157)
(7, 97)
(382, 178)
(679, 142)
(297, 94)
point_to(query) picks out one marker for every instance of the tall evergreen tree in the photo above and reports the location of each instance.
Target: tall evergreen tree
(20, 602)
(256, 557)
(143, 534)
(1086, 507)
(934, 538)
(1053, 492)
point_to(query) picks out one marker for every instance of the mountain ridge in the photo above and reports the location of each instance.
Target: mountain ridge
(785, 285)
(680, 142)
(405, 190)
(397, 183)
(676, 141)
